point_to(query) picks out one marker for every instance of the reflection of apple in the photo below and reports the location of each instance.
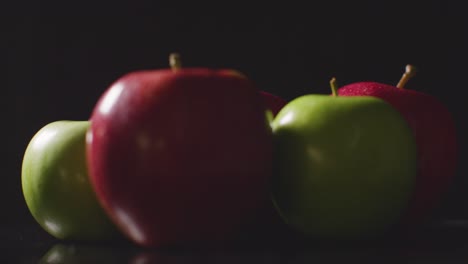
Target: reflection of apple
(344, 167)
(434, 131)
(70, 253)
(56, 185)
(180, 155)
(208, 256)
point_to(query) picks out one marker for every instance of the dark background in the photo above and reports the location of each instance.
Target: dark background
(58, 58)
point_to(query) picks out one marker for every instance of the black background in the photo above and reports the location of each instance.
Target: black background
(59, 57)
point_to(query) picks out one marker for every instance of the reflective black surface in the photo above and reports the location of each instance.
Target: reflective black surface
(442, 243)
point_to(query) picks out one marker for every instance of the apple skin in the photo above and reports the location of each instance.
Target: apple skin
(180, 156)
(267, 226)
(56, 185)
(344, 168)
(435, 135)
(273, 102)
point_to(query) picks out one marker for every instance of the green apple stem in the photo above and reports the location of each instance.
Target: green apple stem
(174, 61)
(334, 86)
(410, 71)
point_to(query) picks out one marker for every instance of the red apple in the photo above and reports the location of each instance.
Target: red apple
(273, 102)
(267, 224)
(180, 156)
(435, 135)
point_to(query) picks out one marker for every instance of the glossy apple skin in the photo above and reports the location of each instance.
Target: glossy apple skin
(344, 168)
(435, 134)
(56, 185)
(180, 157)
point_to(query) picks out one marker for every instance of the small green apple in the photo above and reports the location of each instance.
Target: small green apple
(56, 186)
(344, 166)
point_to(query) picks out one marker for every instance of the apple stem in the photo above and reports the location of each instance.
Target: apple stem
(410, 71)
(334, 86)
(174, 61)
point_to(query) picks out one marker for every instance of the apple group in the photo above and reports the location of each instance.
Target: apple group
(193, 155)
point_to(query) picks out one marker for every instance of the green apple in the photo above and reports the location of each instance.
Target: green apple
(344, 166)
(56, 187)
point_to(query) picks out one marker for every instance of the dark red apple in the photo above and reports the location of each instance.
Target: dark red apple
(435, 135)
(180, 156)
(273, 102)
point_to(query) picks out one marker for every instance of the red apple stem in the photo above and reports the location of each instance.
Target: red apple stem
(174, 61)
(334, 86)
(410, 71)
